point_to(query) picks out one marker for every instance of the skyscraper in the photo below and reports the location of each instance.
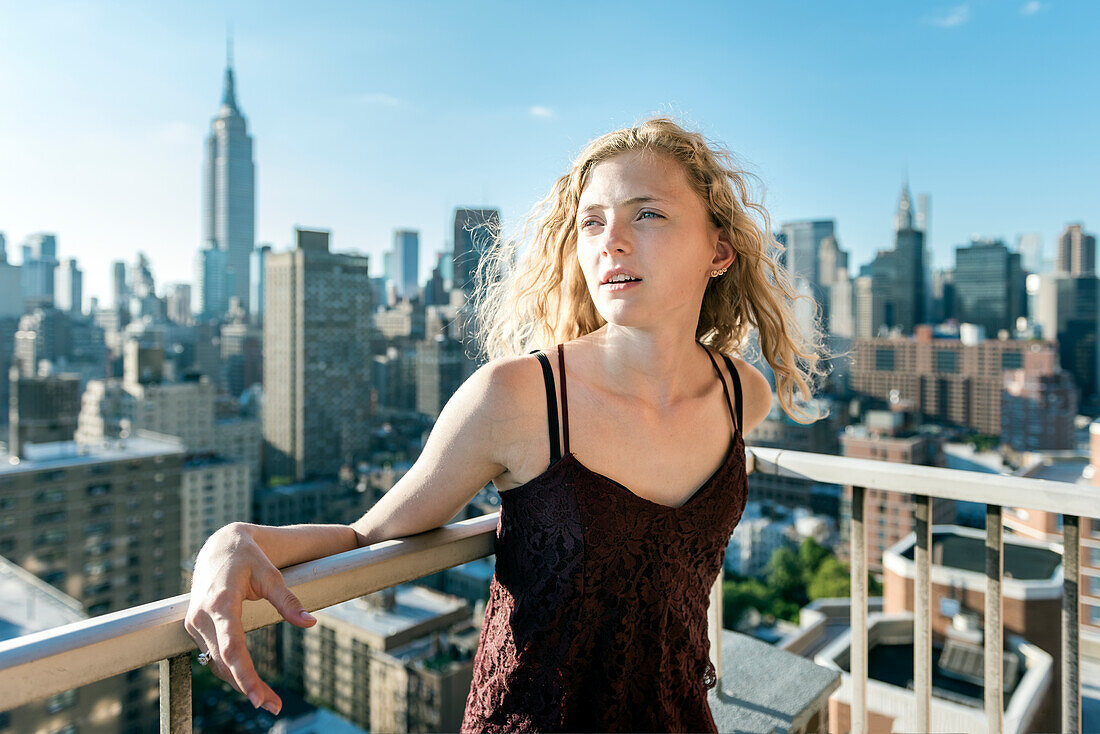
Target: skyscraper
(69, 287)
(802, 241)
(989, 286)
(229, 189)
(39, 264)
(1075, 253)
(318, 316)
(406, 262)
(910, 270)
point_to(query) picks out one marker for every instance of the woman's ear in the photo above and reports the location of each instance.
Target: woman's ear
(724, 253)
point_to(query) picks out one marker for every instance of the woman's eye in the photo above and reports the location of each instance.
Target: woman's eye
(643, 213)
(587, 222)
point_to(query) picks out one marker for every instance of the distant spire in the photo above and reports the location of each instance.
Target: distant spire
(229, 96)
(904, 217)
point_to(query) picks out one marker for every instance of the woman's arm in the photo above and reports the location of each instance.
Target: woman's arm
(465, 450)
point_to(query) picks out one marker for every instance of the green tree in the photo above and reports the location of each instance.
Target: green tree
(784, 574)
(832, 579)
(810, 556)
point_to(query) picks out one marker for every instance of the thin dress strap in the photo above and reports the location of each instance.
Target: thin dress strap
(551, 405)
(564, 402)
(736, 390)
(725, 389)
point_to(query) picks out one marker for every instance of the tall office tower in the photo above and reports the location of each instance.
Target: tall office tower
(213, 282)
(832, 268)
(256, 283)
(102, 524)
(141, 277)
(990, 286)
(11, 286)
(959, 381)
(909, 265)
(441, 366)
(39, 264)
(1075, 251)
(803, 241)
(1030, 247)
(70, 291)
(943, 295)
(179, 303)
(44, 334)
(42, 409)
(317, 340)
(922, 222)
(120, 290)
(229, 190)
(435, 293)
(406, 262)
(1065, 308)
(474, 230)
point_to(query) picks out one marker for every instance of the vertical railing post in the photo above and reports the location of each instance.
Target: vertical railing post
(922, 613)
(175, 695)
(1071, 607)
(857, 658)
(715, 622)
(994, 633)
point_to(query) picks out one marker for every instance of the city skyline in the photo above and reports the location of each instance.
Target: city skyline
(113, 174)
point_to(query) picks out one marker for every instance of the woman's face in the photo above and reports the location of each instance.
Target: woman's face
(639, 216)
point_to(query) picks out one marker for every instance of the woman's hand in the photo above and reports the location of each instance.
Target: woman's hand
(230, 568)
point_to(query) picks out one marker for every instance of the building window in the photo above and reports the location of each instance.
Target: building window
(97, 490)
(1094, 557)
(61, 701)
(884, 360)
(1012, 360)
(47, 517)
(97, 528)
(50, 537)
(1093, 585)
(49, 476)
(947, 360)
(1094, 614)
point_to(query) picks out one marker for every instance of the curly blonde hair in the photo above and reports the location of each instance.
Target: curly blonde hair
(530, 292)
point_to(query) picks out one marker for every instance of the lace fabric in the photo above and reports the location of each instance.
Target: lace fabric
(597, 611)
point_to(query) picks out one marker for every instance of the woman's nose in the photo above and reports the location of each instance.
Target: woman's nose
(617, 237)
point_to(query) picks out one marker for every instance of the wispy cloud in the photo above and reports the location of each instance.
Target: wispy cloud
(1032, 7)
(379, 99)
(952, 18)
(540, 111)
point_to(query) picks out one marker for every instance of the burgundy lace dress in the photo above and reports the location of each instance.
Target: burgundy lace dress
(597, 612)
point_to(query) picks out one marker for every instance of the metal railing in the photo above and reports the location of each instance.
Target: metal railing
(38, 665)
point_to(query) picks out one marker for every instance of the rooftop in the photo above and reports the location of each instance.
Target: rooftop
(412, 606)
(964, 549)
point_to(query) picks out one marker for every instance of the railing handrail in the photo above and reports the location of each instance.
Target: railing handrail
(41, 664)
(932, 481)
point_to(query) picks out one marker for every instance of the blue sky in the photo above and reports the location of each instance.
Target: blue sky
(369, 117)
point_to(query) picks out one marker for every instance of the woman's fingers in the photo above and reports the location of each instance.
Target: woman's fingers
(234, 654)
(273, 588)
(202, 631)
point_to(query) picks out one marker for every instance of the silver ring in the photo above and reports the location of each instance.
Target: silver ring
(204, 658)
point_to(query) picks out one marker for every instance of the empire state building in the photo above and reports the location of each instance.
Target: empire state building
(229, 192)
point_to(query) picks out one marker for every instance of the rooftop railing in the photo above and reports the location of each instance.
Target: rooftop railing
(36, 666)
